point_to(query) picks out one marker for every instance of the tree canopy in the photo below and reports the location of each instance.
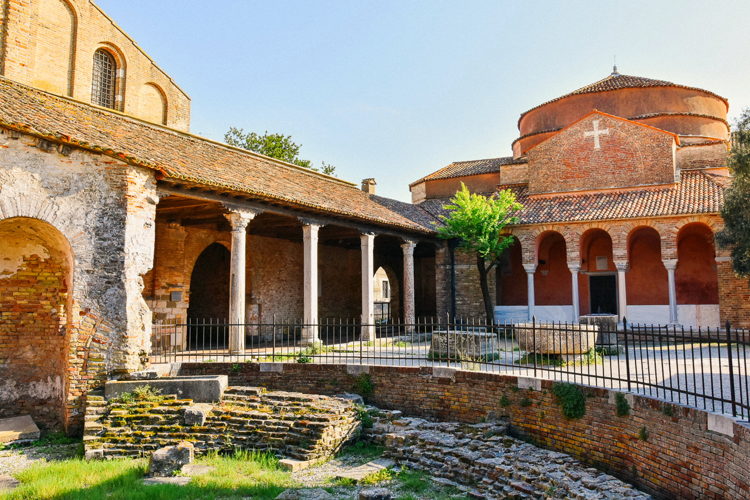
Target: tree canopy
(477, 222)
(736, 210)
(278, 146)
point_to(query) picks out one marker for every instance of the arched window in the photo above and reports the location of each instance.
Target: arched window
(104, 79)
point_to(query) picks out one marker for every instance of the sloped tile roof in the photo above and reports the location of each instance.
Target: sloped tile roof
(184, 157)
(698, 192)
(616, 81)
(471, 167)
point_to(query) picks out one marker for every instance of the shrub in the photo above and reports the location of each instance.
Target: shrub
(571, 399)
(504, 401)
(643, 434)
(622, 407)
(363, 385)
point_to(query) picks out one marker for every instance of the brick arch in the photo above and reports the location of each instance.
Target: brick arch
(54, 67)
(527, 239)
(646, 279)
(552, 276)
(152, 103)
(36, 282)
(696, 274)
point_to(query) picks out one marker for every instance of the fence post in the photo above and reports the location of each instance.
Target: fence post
(731, 369)
(533, 341)
(627, 352)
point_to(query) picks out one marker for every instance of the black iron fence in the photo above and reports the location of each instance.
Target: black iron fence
(702, 367)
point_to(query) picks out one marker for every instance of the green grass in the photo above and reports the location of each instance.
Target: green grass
(244, 475)
(364, 449)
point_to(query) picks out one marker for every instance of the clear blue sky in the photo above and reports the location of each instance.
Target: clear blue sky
(397, 89)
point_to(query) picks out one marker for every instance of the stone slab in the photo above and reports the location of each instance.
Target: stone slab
(362, 471)
(20, 428)
(530, 383)
(721, 424)
(305, 494)
(357, 369)
(196, 469)
(291, 465)
(201, 389)
(443, 372)
(271, 367)
(8, 483)
(177, 480)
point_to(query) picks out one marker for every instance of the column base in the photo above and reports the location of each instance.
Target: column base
(368, 333)
(309, 336)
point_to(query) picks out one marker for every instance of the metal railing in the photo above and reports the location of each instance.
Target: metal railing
(702, 367)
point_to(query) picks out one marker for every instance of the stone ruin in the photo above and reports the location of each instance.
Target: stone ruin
(298, 426)
(484, 461)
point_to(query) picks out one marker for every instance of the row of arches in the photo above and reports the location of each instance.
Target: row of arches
(599, 265)
(55, 65)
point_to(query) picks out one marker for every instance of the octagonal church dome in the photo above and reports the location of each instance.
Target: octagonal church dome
(696, 115)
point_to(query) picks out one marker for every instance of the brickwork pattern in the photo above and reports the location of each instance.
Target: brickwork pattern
(629, 155)
(680, 458)
(50, 44)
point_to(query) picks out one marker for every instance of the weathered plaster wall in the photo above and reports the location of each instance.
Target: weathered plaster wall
(104, 209)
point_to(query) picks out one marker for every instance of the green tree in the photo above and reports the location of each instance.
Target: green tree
(736, 210)
(278, 146)
(477, 222)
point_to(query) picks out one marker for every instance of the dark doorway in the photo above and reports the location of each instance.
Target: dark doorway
(603, 291)
(209, 299)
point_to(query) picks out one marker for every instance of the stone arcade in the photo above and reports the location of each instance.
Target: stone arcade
(113, 217)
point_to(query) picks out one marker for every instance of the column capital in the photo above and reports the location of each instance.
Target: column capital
(670, 264)
(408, 246)
(574, 267)
(310, 222)
(529, 268)
(239, 217)
(622, 265)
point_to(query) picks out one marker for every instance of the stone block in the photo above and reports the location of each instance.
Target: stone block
(20, 428)
(530, 383)
(8, 483)
(357, 369)
(197, 414)
(305, 494)
(201, 389)
(375, 494)
(721, 424)
(292, 465)
(176, 480)
(550, 338)
(468, 345)
(165, 462)
(271, 367)
(442, 372)
(362, 471)
(95, 454)
(354, 398)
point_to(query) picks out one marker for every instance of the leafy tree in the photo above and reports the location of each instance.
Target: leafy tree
(278, 146)
(478, 221)
(736, 210)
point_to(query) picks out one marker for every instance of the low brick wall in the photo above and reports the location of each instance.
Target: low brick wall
(687, 453)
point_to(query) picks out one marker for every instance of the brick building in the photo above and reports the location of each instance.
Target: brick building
(113, 217)
(622, 183)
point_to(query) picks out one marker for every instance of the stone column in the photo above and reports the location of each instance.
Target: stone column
(367, 245)
(622, 293)
(408, 249)
(310, 248)
(530, 269)
(239, 219)
(574, 269)
(671, 265)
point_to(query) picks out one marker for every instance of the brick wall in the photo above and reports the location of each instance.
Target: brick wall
(681, 458)
(469, 302)
(629, 155)
(50, 44)
(734, 295)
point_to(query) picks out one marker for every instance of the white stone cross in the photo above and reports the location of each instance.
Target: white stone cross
(596, 133)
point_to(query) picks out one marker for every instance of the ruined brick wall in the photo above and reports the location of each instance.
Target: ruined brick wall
(629, 155)
(50, 44)
(683, 457)
(102, 211)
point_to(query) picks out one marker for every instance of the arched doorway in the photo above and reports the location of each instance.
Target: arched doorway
(511, 286)
(209, 298)
(696, 277)
(552, 287)
(36, 271)
(386, 295)
(598, 278)
(646, 280)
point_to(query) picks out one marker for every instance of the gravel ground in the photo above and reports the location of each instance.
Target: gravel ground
(17, 459)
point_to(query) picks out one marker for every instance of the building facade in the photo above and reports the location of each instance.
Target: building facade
(622, 183)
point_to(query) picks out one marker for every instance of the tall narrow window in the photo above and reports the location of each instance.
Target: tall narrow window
(103, 79)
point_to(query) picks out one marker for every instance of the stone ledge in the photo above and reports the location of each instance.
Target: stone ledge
(357, 369)
(529, 383)
(442, 372)
(271, 367)
(201, 389)
(721, 424)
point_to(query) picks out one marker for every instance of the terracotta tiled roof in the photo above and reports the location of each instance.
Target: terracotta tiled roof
(185, 157)
(616, 81)
(471, 167)
(697, 192)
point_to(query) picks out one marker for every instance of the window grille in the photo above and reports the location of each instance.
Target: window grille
(103, 81)
(386, 289)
